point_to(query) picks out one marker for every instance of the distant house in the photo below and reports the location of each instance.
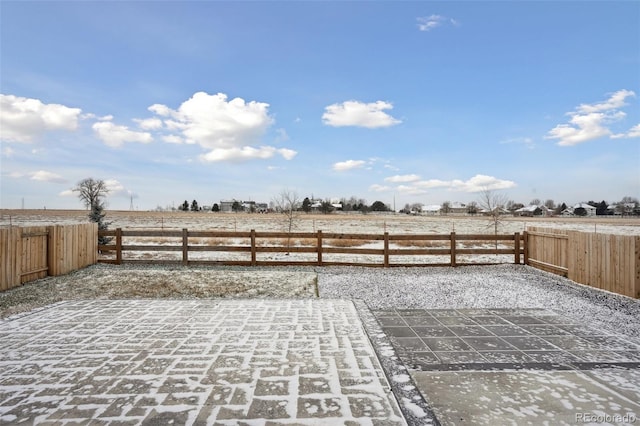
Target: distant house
(621, 209)
(226, 206)
(431, 210)
(591, 211)
(533, 210)
(571, 211)
(458, 208)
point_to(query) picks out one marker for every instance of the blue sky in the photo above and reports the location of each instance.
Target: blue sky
(417, 102)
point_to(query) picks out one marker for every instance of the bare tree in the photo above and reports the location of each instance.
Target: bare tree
(288, 203)
(492, 205)
(90, 191)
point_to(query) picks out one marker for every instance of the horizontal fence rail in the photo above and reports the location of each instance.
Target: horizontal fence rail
(605, 261)
(251, 248)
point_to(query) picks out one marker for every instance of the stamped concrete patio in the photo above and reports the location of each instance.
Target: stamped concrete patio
(203, 362)
(311, 362)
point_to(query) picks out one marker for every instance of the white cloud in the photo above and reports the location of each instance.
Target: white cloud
(410, 190)
(591, 121)
(355, 113)
(117, 189)
(480, 183)
(402, 178)
(379, 188)
(115, 135)
(173, 139)
(287, 154)
(433, 183)
(228, 129)
(67, 193)
(24, 119)
(342, 166)
(246, 153)
(213, 122)
(149, 123)
(616, 101)
(428, 23)
(44, 176)
(475, 184)
(634, 132)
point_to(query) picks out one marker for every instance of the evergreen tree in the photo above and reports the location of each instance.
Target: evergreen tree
(185, 206)
(306, 205)
(215, 208)
(194, 206)
(326, 207)
(97, 215)
(379, 206)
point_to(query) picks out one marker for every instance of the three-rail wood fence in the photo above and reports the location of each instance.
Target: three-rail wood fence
(30, 253)
(317, 246)
(605, 261)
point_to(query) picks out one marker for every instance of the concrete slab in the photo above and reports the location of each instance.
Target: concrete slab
(516, 366)
(193, 362)
(531, 397)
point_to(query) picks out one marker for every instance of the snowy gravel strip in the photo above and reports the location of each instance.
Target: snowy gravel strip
(500, 286)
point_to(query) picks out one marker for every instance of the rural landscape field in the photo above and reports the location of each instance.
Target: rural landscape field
(349, 224)
(335, 222)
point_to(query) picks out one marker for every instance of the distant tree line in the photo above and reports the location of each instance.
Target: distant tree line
(628, 206)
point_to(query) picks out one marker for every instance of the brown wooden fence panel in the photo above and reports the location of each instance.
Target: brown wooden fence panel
(30, 253)
(33, 254)
(605, 261)
(547, 249)
(319, 243)
(10, 253)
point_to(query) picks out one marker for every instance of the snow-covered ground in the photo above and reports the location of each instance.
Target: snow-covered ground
(377, 224)
(336, 222)
(500, 286)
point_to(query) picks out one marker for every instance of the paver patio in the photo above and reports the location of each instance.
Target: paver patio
(516, 366)
(203, 362)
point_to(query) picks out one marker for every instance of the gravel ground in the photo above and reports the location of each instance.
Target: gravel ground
(501, 286)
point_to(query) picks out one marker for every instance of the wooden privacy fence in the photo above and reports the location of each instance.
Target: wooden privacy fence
(317, 246)
(605, 261)
(30, 253)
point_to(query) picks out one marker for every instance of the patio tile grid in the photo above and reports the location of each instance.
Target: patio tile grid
(497, 339)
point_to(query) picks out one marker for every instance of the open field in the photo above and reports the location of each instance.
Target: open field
(394, 224)
(335, 222)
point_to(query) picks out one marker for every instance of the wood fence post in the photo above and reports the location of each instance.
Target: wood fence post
(253, 247)
(525, 246)
(516, 246)
(386, 249)
(319, 247)
(453, 249)
(52, 250)
(185, 246)
(635, 291)
(118, 246)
